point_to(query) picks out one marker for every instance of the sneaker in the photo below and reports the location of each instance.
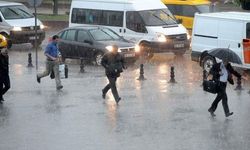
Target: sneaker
(211, 112)
(117, 100)
(38, 79)
(229, 114)
(59, 87)
(103, 94)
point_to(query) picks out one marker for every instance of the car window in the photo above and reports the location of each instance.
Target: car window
(16, 12)
(103, 34)
(172, 9)
(248, 31)
(82, 36)
(189, 11)
(134, 22)
(70, 35)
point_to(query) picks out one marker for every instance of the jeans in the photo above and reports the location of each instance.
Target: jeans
(111, 85)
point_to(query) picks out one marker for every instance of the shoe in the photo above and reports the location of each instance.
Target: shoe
(38, 79)
(211, 112)
(103, 95)
(229, 114)
(59, 87)
(117, 100)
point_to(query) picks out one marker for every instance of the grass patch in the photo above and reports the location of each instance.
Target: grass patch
(49, 17)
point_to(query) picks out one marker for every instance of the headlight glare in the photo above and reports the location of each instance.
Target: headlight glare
(42, 26)
(161, 38)
(109, 48)
(17, 29)
(137, 48)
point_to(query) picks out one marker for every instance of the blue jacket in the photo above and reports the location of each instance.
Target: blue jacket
(52, 49)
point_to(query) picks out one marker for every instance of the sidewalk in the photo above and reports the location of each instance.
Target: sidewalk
(152, 114)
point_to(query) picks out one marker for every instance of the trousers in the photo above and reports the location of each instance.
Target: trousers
(221, 95)
(4, 85)
(51, 65)
(111, 85)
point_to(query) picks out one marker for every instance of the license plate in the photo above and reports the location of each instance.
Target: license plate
(33, 38)
(180, 45)
(129, 55)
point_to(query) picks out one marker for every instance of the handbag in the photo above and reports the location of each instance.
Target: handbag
(210, 86)
(63, 71)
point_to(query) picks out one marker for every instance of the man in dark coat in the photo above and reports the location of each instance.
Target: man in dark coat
(222, 72)
(113, 62)
(4, 73)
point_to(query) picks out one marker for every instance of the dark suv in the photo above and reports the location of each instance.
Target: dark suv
(91, 43)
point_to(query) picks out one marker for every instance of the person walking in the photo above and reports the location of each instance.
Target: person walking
(52, 62)
(113, 62)
(4, 69)
(222, 72)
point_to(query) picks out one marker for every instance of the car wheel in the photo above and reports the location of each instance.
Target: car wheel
(208, 62)
(98, 59)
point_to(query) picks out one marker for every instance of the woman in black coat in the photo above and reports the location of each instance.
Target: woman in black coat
(4, 73)
(222, 72)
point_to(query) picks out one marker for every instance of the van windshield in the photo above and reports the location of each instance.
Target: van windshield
(104, 35)
(157, 17)
(15, 12)
(203, 8)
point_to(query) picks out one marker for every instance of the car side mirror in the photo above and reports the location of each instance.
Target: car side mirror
(88, 41)
(179, 21)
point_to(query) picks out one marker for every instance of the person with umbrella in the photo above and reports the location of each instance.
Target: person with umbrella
(222, 72)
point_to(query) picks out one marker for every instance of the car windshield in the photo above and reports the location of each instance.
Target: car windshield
(157, 17)
(203, 8)
(104, 35)
(16, 12)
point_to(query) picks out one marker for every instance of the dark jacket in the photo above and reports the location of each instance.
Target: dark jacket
(4, 65)
(113, 64)
(216, 69)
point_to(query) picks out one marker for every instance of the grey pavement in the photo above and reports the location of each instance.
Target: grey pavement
(153, 114)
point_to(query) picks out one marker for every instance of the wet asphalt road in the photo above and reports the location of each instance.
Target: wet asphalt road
(152, 114)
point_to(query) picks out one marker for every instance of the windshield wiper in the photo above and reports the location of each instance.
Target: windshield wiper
(159, 19)
(171, 17)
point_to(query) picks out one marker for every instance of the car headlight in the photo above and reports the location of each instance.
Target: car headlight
(109, 48)
(42, 26)
(17, 29)
(161, 37)
(137, 48)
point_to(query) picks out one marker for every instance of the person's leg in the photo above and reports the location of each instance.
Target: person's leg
(57, 76)
(112, 81)
(6, 83)
(1, 91)
(215, 102)
(106, 89)
(47, 71)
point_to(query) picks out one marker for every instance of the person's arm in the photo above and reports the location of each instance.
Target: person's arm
(231, 70)
(104, 61)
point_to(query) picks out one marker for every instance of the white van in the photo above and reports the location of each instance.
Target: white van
(17, 23)
(146, 22)
(219, 30)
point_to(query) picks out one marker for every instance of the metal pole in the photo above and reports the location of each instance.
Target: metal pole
(36, 35)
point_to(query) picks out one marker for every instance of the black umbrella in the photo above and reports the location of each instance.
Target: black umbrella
(225, 54)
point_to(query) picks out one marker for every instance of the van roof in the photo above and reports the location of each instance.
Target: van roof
(186, 2)
(5, 3)
(118, 4)
(228, 15)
